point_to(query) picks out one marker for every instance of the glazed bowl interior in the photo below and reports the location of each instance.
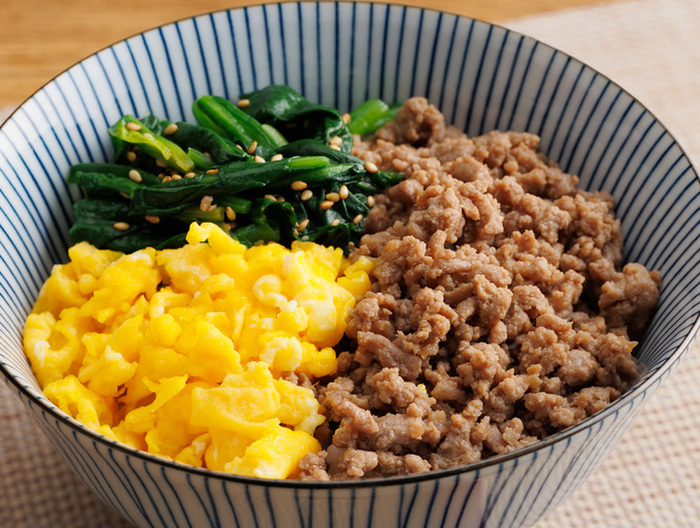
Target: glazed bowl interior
(482, 77)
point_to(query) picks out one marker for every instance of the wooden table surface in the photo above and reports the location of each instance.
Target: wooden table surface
(41, 38)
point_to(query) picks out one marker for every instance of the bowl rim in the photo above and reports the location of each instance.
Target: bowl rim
(628, 397)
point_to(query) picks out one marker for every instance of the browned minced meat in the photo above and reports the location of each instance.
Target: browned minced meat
(500, 312)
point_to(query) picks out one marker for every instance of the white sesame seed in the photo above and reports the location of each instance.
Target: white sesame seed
(190, 175)
(298, 185)
(335, 222)
(135, 176)
(371, 167)
(230, 213)
(206, 204)
(277, 157)
(213, 171)
(357, 219)
(152, 219)
(270, 197)
(259, 159)
(333, 196)
(176, 177)
(334, 147)
(327, 204)
(131, 155)
(306, 195)
(370, 201)
(133, 126)
(343, 192)
(170, 129)
(243, 103)
(252, 147)
(161, 164)
(120, 226)
(166, 179)
(346, 118)
(303, 224)
(336, 140)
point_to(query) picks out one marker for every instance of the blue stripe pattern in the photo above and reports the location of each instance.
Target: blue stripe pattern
(482, 77)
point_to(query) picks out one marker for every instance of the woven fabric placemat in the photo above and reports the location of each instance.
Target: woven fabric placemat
(651, 479)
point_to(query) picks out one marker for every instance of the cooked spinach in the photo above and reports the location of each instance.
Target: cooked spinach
(272, 167)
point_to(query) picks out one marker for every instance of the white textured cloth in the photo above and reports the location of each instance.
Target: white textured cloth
(651, 479)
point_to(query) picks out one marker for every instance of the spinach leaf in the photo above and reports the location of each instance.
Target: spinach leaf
(296, 117)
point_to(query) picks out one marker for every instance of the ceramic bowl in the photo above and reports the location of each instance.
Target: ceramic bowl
(482, 77)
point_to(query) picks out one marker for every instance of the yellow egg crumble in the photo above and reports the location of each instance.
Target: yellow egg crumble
(184, 352)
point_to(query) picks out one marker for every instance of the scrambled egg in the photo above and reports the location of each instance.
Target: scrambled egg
(183, 352)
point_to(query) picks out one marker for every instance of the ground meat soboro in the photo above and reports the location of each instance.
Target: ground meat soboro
(500, 311)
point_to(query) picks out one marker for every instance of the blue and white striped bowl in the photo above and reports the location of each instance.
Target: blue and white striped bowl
(482, 77)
